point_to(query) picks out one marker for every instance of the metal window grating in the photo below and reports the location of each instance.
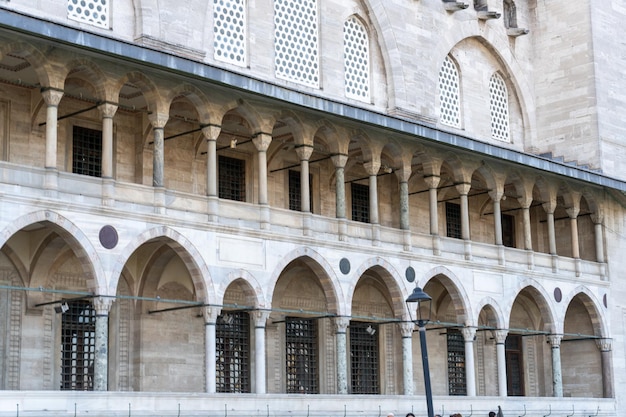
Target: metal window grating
(360, 202)
(456, 362)
(302, 355)
(232, 178)
(453, 220)
(230, 20)
(233, 352)
(449, 94)
(78, 346)
(364, 358)
(94, 12)
(87, 151)
(356, 60)
(499, 108)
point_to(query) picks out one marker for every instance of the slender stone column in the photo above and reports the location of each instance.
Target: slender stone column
(52, 98)
(463, 190)
(433, 182)
(339, 161)
(500, 336)
(341, 324)
(404, 205)
(211, 133)
(572, 212)
(372, 169)
(597, 219)
(525, 203)
(607, 369)
(496, 196)
(406, 329)
(557, 376)
(549, 208)
(262, 142)
(102, 305)
(158, 121)
(210, 340)
(260, 318)
(470, 370)
(304, 153)
(107, 111)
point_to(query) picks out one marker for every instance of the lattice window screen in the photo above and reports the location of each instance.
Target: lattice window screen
(230, 20)
(499, 108)
(356, 60)
(296, 41)
(449, 97)
(94, 12)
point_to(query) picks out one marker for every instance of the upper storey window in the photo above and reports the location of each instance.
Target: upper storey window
(356, 60)
(94, 12)
(499, 108)
(296, 41)
(449, 98)
(230, 18)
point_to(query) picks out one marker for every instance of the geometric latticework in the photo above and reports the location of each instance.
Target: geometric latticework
(449, 97)
(229, 17)
(296, 41)
(499, 108)
(94, 12)
(356, 60)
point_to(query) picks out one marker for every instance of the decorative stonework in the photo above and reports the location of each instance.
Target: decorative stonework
(499, 108)
(356, 60)
(229, 27)
(93, 12)
(449, 94)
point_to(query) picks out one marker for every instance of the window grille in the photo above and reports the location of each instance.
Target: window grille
(456, 362)
(230, 41)
(508, 230)
(453, 220)
(232, 178)
(94, 12)
(499, 108)
(514, 365)
(78, 345)
(233, 352)
(449, 94)
(87, 151)
(356, 60)
(296, 41)
(302, 355)
(360, 202)
(364, 358)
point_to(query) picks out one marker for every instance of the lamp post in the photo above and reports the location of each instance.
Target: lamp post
(424, 302)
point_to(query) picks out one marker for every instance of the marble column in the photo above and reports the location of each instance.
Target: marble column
(500, 337)
(496, 197)
(262, 142)
(433, 182)
(211, 133)
(341, 326)
(572, 212)
(52, 98)
(260, 318)
(525, 204)
(463, 190)
(339, 161)
(597, 218)
(158, 121)
(210, 340)
(372, 168)
(549, 208)
(470, 369)
(304, 152)
(407, 329)
(557, 376)
(102, 305)
(607, 367)
(107, 111)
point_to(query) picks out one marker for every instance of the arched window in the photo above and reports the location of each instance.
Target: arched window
(296, 41)
(356, 60)
(449, 97)
(229, 26)
(499, 108)
(94, 12)
(510, 14)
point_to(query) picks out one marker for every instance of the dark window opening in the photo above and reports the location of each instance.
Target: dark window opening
(87, 151)
(78, 346)
(453, 220)
(295, 191)
(232, 178)
(456, 362)
(514, 365)
(364, 358)
(302, 356)
(360, 202)
(508, 230)
(232, 357)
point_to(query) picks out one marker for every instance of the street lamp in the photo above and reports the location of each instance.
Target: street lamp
(424, 302)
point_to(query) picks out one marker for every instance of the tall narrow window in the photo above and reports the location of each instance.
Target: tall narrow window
(456, 362)
(514, 365)
(78, 345)
(295, 191)
(233, 352)
(453, 220)
(449, 94)
(364, 358)
(360, 202)
(93, 12)
(230, 40)
(508, 230)
(87, 151)
(302, 356)
(296, 41)
(232, 178)
(510, 14)
(499, 108)
(356, 60)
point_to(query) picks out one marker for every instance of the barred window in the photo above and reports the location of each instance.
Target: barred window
(514, 357)
(87, 151)
(295, 191)
(499, 108)
(449, 94)
(364, 358)
(232, 178)
(296, 41)
(232, 334)
(360, 202)
(301, 355)
(453, 220)
(508, 230)
(356, 60)
(456, 362)
(94, 12)
(78, 346)
(230, 20)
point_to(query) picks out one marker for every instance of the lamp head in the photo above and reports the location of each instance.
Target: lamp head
(420, 302)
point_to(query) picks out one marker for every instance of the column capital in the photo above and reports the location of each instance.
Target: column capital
(432, 181)
(372, 167)
(555, 340)
(158, 120)
(549, 206)
(304, 152)
(500, 336)
(260, 318)
(406, 328)
(597, 217)
(469, 333)
(463, 188)
(572, 212)
(341, 323)
(262, 141)
(496, 195)
(102, 305)
(211, 132)
(52, 96)
(107, 110)
(210, 314)
(605, 345)
(339, 160)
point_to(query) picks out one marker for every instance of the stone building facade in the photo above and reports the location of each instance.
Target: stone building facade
(221, 206)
